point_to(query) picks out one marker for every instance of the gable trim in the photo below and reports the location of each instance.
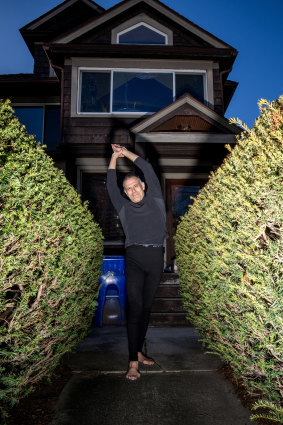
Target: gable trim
(189, 100)
(160, 7)
(187, 138)
(141, 18)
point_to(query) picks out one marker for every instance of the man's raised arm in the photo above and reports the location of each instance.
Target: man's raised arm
(150, 177)
(112, 187)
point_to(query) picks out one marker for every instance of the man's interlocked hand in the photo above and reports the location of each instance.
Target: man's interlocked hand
(118, 149)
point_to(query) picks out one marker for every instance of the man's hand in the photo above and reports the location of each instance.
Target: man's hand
(120, 152)
(128, 154)
(118, 149)
(117, 153)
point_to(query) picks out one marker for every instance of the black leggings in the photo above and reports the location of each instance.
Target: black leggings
(144, 266)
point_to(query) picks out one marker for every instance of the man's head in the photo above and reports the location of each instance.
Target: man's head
(134, 187)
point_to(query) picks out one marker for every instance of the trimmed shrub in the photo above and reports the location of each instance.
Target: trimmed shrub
(229, 257)
(51, 255)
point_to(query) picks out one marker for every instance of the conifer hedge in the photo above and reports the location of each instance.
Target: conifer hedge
(229, 257)
(51, 255)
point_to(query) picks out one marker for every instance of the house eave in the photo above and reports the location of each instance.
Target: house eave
(57, 52)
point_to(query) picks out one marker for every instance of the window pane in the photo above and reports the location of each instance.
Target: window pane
(95, 92)
(142, 35)
(181, 199)
(141, 92)
(189, 83)
(32, 118)
(52, 127)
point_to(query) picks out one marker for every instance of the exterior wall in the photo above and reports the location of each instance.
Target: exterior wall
(218, 92)
(135, 64)
(102, 33)
(41, 62)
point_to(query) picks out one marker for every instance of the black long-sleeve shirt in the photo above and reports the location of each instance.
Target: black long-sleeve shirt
(143, 222)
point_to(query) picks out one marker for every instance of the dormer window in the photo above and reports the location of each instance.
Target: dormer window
(142, 33)
(142, 30)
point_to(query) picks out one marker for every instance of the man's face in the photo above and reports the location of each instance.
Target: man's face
(134, 189)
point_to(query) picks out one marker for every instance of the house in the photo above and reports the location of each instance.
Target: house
(137, 74)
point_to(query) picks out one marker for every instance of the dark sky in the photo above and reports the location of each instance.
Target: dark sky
(253, 27)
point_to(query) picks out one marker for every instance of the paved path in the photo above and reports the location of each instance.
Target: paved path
(183, 388)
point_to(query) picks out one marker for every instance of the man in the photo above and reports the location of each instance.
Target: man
(143, 217)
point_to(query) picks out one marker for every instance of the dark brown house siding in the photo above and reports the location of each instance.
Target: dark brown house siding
(41, 62)
(102, 34)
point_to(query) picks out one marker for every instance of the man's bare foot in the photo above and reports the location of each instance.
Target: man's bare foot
(148, 361)
(133, 373)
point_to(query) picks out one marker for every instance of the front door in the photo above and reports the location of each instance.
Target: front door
(178, 200)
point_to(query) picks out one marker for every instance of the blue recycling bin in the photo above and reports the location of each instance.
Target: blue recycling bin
(112, 293)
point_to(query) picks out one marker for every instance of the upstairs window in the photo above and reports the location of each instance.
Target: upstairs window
(134, 91)
(190, 83)
(141, 91)
(142, 33)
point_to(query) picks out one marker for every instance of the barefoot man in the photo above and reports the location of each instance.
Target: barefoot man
(142, 214)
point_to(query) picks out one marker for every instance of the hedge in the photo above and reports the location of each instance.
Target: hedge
(229, 257)
(51, 255)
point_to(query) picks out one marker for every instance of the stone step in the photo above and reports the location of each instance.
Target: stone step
(167, 308)
(168, 291)
(169, 279)
(168, 305)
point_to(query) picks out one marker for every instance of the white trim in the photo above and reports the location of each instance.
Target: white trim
(147, 26)
(180, 102)
(137, 70)
(185, 138)
(137, 19)
(159, 7)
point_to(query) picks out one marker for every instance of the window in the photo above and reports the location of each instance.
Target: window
(41, 121)
(129, 91)
(142, 33)
(192, 84)
(95, 95)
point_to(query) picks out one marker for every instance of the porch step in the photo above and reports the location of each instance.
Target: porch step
(168, 309)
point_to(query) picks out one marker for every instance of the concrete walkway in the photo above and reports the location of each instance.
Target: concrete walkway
(183, 388)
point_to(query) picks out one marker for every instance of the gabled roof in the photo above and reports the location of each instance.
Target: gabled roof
(57, 10)
(204, 118)
(60, 19)
(161, 8)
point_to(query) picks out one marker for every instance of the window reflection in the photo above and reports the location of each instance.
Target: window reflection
(141, 34)
(181, 199)
(141, 92)
(134, 91)
(95, 96)
(32, 118)
(190, 83)
(41, 121)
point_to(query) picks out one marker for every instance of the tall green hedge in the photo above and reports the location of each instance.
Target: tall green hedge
(229, 257)
(51, 255)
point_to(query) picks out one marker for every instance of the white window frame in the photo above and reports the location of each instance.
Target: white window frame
(137, 70)
(141, 44)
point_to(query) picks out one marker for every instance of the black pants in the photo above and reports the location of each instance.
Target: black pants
(144, 266)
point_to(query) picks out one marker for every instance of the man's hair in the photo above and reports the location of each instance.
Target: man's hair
(129, 176)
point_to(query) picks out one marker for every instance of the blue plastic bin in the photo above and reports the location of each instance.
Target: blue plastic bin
(113, 285)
